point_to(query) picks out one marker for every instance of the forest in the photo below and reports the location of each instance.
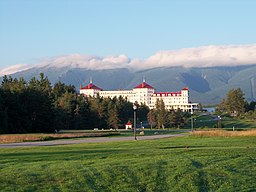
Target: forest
(37, 106)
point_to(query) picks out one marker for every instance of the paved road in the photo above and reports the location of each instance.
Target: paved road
(87, 140)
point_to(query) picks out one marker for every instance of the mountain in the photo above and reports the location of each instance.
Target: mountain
(208, 71)
(207, 85)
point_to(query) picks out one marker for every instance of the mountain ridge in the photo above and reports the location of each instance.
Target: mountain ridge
(207, 85)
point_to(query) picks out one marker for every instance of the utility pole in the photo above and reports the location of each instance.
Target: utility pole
(134, 109)
(192, 121)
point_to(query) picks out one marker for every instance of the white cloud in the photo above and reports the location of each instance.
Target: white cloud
(14, 69)
(87, 62)
(205, 56)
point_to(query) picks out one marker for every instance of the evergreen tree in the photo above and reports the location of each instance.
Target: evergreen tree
(81, 114)
(6, 83)
(44, 84)
(161, 114)
(151, 118)
(25, 110)
(113, 120)
(179, 118)
(172, 118)
(142, 112)
(60, 88)
(13, 107)
(66, 105)
(3, 115)
(125, 110)
(234, 103)
(37, 107)
(99, 111)
(250, 106)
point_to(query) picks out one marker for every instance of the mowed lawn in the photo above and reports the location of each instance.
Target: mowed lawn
(188, 163)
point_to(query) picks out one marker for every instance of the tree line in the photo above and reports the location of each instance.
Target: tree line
(159, 117)
(36, 106)
(235, 105)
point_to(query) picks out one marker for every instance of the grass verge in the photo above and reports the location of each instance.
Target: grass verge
(224, 133)
(71, 134)
(14, 138)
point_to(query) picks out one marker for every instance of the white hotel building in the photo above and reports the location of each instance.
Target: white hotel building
(145, 93)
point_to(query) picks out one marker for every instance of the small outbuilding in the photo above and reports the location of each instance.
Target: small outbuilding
(128, 125)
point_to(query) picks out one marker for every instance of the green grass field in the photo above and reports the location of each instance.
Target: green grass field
(226, 122)
(176, 164)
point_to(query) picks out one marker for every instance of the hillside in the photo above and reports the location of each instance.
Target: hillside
(207, 85)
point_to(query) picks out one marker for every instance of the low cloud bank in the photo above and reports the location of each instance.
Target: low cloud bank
(87, 62)
(15, 69)
(205, 56)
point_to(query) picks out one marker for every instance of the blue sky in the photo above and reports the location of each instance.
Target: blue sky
(31, 30)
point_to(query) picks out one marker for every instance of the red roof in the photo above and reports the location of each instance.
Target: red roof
(144, 85)
(91, 86)
(185, 88)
